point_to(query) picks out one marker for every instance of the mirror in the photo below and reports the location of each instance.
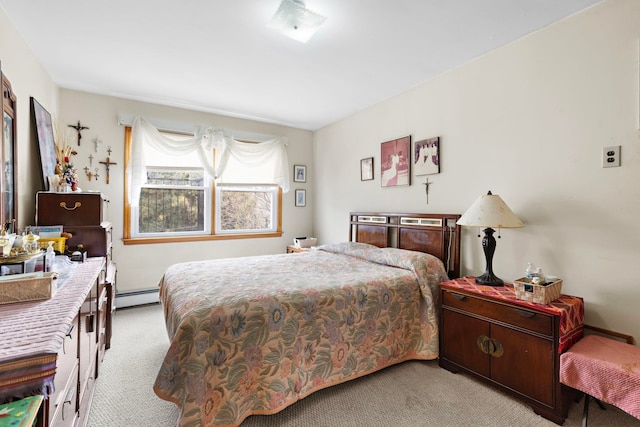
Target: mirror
(8, 181)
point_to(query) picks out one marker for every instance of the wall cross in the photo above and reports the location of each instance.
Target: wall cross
(108, 164)
(78, 129)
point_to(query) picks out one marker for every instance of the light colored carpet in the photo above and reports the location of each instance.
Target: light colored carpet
(410, 394)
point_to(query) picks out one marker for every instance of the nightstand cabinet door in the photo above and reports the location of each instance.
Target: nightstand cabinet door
(526, 365)
(461, 334)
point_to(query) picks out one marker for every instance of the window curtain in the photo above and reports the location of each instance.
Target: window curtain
(268, 156)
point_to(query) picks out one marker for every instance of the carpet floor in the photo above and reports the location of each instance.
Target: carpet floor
(416, 393)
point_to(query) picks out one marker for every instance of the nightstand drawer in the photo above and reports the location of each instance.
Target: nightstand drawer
(534, 321)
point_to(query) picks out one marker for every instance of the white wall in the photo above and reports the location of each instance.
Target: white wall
(141, 266)
(28, 79)
(527, 121)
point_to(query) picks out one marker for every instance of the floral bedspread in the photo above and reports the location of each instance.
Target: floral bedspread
(253, 335)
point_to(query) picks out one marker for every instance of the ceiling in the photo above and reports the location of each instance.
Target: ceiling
(218, 55)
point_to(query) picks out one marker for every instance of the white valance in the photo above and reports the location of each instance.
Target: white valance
(239, 162)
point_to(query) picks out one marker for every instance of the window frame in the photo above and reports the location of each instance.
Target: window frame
(130, 239)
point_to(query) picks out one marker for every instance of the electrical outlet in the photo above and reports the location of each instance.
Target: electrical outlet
(611, 156)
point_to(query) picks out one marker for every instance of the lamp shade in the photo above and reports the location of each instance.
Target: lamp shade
(489, 210)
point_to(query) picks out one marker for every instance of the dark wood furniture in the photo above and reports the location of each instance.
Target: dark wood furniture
(62, 350)
(8, 157)
(507, 342)
(437, 234)
(84, 215)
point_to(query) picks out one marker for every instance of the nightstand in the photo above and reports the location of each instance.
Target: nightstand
(516, 345)
(293, 249)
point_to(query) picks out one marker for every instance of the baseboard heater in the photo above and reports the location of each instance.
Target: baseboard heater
(130, 299)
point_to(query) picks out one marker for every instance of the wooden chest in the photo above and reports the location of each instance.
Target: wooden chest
(70, 208)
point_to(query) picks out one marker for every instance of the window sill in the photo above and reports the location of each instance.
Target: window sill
(180, 239)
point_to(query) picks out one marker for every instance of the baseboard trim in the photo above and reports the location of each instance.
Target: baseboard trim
(130, 299)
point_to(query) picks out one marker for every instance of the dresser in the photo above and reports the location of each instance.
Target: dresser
(516, 345)
(84, 215)
(51, 347)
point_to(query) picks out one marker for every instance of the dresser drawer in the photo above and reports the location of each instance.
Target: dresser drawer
(534, 321)
(95, 240)
(70, 208)
(64, 411)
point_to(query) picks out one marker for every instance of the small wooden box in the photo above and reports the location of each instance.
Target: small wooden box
(70, 208)
(528, 291)
(27, 287)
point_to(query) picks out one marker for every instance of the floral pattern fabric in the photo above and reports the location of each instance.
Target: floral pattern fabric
(254, 335)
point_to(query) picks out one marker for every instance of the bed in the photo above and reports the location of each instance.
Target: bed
(253, 335)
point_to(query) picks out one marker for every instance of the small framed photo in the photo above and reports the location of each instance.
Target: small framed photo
(299, 173)
(366, 169)
(301, 198)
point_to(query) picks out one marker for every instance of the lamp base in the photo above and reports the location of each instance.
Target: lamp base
(489, 279)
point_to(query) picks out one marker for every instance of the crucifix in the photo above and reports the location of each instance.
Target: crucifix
(426, 188)
(90, 174)
(96, 141)
(108, 164)
(78, 129)
(90, 159)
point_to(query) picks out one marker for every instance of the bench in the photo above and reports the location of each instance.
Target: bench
(605, 369)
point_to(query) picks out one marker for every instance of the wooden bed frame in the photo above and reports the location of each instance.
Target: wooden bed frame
(437, 234)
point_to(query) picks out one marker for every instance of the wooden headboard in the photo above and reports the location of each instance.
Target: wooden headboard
(436, 234)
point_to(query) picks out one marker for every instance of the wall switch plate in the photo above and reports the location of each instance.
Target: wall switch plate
(611, 156)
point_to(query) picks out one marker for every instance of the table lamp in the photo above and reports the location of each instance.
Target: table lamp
(489, 211)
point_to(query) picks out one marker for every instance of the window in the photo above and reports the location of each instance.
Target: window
(174, 201)
(246, 208)
(179, 201)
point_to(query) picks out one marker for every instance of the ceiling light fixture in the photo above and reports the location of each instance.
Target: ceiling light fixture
(294, 20)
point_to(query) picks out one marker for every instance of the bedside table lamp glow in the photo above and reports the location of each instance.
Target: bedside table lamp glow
(489, 211)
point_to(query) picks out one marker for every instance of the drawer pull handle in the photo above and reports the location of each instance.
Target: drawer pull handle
(458, 296)
(76, 205)
(483, 343)
(498, 349)
(525, 313)
(68, 399)
(68, 335)
(490, 346)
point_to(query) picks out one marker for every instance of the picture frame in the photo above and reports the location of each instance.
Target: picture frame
(301, 198)
(45, 139)
(426, 156)
(395, 162)
(366, 169)
(299, 173)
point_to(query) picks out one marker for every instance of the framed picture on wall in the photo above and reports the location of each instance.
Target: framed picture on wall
(366, 169)
(299, 173)
(46, 143)
(301, 198)
(426, 156)
(395, 162)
